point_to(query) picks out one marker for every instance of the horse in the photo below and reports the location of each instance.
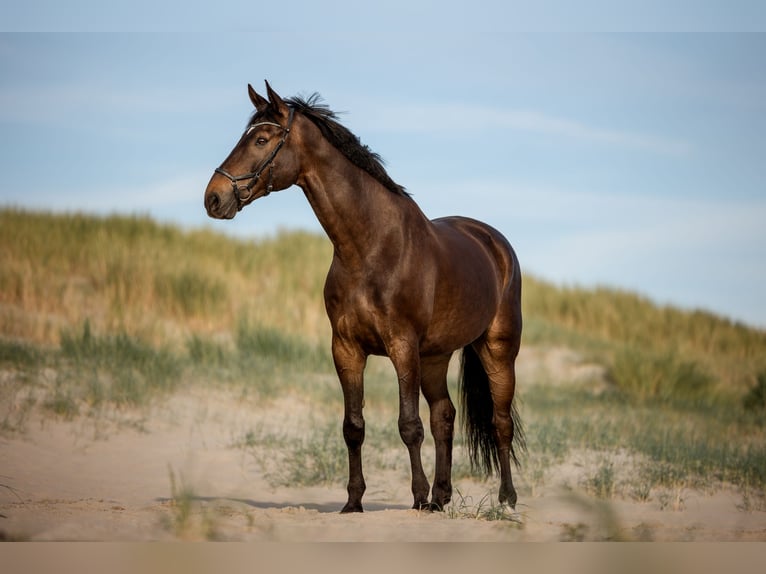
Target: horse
(399, 285)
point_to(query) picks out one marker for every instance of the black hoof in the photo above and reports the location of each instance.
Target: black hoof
(508, 498)
(349, 508)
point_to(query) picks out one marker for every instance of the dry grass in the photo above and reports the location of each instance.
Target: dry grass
(132, 275)
(610, 321)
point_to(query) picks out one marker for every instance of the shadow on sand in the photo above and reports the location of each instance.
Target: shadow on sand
(330, 507)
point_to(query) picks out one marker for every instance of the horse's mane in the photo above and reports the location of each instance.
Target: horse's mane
(344, 141)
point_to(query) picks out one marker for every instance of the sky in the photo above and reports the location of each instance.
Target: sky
(629, 159)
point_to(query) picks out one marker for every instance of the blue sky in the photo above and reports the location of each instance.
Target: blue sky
(634, 160)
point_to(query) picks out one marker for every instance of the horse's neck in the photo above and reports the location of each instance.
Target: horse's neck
(359, 215)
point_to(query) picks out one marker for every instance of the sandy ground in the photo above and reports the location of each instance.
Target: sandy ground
(109, 479)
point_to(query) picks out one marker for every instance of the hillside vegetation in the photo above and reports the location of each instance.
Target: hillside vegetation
(101, 311)
(131, 275)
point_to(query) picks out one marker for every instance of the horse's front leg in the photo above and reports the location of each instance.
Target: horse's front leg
(350, 363)
(406, 359)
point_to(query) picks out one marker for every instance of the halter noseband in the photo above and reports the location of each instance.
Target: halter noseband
(254, 176)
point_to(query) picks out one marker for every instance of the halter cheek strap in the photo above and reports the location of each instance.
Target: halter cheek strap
(254, 176)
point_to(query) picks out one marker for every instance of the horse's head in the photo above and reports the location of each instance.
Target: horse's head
(260, 163)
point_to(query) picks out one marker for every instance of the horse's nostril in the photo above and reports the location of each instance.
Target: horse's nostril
(212, 201)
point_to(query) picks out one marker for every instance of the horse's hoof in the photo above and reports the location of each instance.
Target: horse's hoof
(508, 498)
(349, 508)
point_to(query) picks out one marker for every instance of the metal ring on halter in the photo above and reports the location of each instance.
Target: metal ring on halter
(254, 176)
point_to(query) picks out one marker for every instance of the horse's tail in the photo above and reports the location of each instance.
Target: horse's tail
(477, 409)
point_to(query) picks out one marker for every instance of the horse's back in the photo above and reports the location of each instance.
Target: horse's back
(475, 282)
(468, 233)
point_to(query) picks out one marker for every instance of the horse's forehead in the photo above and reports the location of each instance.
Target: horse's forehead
(265, 115)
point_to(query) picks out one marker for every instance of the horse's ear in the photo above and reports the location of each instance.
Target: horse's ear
(276, 102)
(259, 101)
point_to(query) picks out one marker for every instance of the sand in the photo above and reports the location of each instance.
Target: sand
(114, 477)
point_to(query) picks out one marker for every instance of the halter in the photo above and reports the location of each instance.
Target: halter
(254, 176)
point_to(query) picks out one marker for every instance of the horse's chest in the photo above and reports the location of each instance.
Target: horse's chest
(357, 303)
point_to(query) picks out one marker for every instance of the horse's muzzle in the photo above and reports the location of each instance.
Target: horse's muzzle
(220, 204)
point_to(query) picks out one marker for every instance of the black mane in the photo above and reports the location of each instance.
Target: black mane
(344, 141)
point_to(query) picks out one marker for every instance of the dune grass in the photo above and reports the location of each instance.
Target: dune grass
(119, 310)
(611, 325)
(154, 281)
(678, 444)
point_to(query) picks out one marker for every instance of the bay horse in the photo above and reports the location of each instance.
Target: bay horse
(399, 285)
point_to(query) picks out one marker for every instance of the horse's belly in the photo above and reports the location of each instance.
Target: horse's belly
(455, 328)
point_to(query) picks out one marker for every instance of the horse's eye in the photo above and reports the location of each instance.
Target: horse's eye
(260, 141)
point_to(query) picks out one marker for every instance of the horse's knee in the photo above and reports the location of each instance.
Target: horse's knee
(411, 431)
(353, 431)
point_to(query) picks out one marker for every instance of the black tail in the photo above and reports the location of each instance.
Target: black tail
(477, 410)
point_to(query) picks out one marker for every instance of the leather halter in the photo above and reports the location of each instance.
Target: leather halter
(254, 176)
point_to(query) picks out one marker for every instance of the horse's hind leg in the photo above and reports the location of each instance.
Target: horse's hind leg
(434, 386)
(498, 356)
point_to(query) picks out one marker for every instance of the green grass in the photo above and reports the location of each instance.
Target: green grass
(19, 354)
(317, 455)
(117, 369)
(602, 483)
(699, 447)
(188, 518)
(317, 459)
(266, 344)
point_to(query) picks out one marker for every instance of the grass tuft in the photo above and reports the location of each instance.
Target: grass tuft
(602, 483)
(487, 509)
(19, 354)
(317, 459)
(118, 369)
(261, 343)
